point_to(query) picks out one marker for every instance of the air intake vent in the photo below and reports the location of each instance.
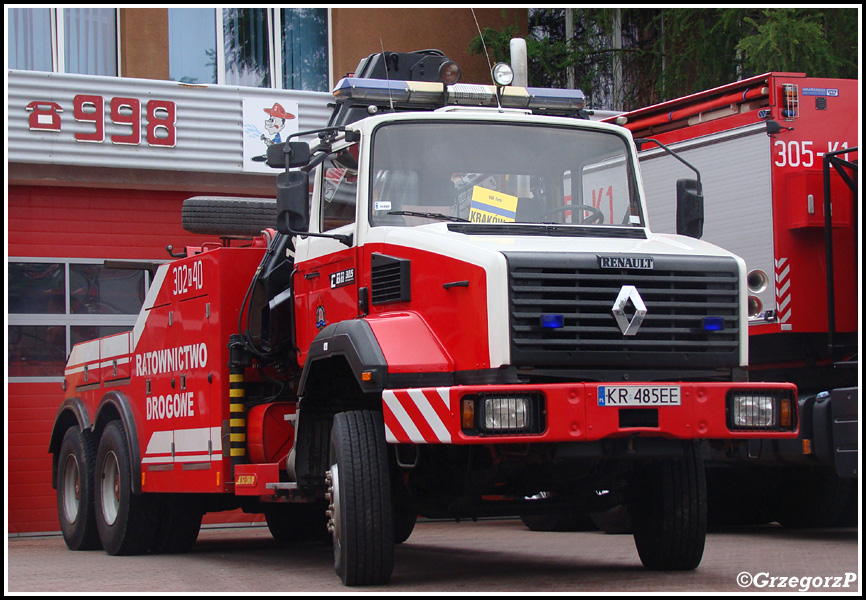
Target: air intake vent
(389, 279)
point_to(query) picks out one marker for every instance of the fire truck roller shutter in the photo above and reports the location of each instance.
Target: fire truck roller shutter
(229, 216)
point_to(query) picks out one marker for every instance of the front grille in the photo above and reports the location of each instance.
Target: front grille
(679, 293)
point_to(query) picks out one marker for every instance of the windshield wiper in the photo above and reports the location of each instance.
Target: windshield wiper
(428, 215)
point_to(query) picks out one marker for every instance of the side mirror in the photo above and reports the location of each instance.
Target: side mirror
(293, 202)
(299, 155)
(690, 208)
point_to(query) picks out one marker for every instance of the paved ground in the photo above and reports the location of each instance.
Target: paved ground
(487, 556)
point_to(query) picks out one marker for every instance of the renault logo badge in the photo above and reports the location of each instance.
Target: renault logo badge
(627, 294)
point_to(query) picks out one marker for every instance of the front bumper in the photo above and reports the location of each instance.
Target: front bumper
(578, 413)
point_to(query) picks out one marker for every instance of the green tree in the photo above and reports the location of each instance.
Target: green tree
(790, 39)
(671, 52)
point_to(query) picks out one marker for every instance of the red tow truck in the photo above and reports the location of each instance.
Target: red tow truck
(469, 317)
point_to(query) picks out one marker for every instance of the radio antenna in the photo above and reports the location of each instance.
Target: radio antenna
(387, 79)
(489, 66)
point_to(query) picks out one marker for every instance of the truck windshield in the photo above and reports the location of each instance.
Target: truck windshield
(484, 172)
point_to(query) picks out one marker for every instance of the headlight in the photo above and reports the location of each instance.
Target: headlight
(502, 413)
(760, 410)
(753, 411)
(505, 414)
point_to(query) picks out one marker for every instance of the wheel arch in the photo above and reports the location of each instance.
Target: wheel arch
(116, 406)
(71, 413)
(333, 381)
(351, 348)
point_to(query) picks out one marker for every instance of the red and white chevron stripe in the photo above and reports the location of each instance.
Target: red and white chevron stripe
(783, 292)
(418, 416)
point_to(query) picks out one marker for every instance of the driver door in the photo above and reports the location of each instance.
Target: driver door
(326, 282)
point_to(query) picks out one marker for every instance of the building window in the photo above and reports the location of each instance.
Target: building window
(192, 55)
(90, 41)
(63, 40)
(240, 46)
(29, 41)
(247, 36)
(304, 43)
(233, 46)
(55, 304)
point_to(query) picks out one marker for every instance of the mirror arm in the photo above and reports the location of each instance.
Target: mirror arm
(346, 239)
(640, 141)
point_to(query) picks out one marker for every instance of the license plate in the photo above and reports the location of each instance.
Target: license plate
(639, 395)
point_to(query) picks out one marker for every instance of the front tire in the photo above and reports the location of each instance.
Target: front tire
(360, 514)
(75, 466)
(668, 509)
(127, 522)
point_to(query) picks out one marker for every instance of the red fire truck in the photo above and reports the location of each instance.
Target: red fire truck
(777, 156)
(470, 317)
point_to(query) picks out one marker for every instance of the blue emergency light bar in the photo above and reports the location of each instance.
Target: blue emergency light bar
(424, 93)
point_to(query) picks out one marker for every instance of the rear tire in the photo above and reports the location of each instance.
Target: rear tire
(179, 523)
(127, 522)
(816, 497)
(361, 518)
(404, 524)
(298, 522)
(564, 519)
(668, 509)
(75, 466)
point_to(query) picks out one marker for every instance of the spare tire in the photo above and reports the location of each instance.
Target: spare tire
(228, 217)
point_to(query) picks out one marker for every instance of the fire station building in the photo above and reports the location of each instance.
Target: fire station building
(114, 118)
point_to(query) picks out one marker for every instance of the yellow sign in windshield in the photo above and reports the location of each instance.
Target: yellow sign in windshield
(490, 206)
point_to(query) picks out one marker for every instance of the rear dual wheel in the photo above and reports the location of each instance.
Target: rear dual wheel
(179, 521)
(75, 467)
(127, 522)
(297, 522)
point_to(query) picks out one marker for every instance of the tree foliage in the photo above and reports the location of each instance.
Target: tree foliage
(671, 52)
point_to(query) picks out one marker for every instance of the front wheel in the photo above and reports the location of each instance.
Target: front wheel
(668, 509)
(360, 515)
